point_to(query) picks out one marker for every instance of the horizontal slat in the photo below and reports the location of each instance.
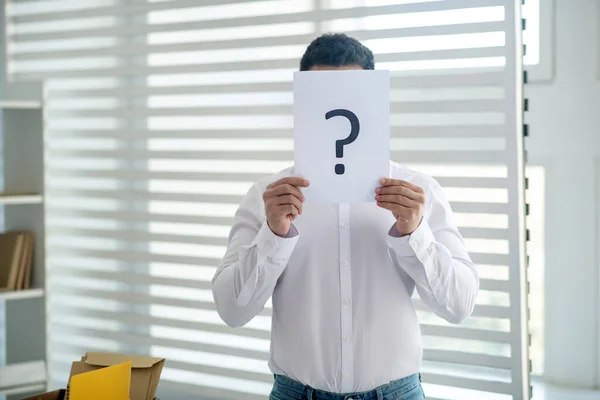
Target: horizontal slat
(241, 176)
(478, 258)
(479, 208)
(138, 236)
(128, 195)
(146, 237)
(69, 330)
(139, 175)
(134, 279)
(492, 311)
(59, 250)
(463, 357)
(409, 107)
(471, 182)
(313, 15)
(441, 131)
(497, 51)
(222, 371)
(489, 259)
(172, 111)
(466, 383)
(176, 134)
(134, 7)
(139, 279)
(447, 106)
(139, 298)
(136, 216)
(480, 310)
(495, 285)
(141, 49)
(133, 155)
(190, 391)
(132, 318)
(484, 233)
(458, 157)
(59, 343)
(465, 333)
(442, 80)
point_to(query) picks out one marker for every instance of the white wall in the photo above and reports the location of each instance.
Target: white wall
(564, 123)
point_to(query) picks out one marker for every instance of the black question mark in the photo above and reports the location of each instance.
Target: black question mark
(339, 144)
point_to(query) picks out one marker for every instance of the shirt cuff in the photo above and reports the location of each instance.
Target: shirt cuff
(415, 244)
(270, 245)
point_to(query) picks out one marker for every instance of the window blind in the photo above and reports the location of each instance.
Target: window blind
(161, 114)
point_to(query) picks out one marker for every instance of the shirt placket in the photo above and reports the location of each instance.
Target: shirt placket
(346, 299)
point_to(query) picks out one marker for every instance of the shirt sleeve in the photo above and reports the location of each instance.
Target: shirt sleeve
(436, 259)
(254, 261)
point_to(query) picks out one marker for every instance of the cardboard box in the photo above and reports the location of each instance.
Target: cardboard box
(145, 374)
(145, 371)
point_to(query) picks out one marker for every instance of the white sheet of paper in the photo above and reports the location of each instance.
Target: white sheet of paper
(365, 94)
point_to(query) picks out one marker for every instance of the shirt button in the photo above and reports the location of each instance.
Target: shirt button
(345, 225)
(348, 375)
(346, 302)
(268, 243)
(347, 338)
(345, 262)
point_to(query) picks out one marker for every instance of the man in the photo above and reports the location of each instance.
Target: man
(342, 275)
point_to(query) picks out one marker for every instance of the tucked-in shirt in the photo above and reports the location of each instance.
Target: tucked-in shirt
(341, 283)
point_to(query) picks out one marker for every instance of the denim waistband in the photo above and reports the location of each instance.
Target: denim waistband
(391, 390)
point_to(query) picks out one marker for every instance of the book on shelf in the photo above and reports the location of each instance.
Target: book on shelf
(16, 256)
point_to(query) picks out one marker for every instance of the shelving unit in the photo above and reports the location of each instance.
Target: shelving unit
(21, 378)
(23, 354)
(21, 294)
(14, 198)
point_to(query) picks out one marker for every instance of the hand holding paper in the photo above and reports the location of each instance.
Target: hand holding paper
(405, 200)
(283, 203)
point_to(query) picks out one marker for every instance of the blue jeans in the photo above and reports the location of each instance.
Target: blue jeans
(408, 388)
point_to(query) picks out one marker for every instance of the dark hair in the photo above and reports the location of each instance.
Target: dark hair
(336, 49)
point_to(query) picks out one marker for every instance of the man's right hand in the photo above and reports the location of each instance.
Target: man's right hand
(283, 203)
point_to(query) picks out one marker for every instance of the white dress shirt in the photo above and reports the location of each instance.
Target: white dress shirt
(341, 284)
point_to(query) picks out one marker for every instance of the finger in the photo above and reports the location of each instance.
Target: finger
(286, 189)
(288, 209)
(393, 207)
(397, 199)
(290, 180)
(400, 182)
(400, 212)
(288, 199)
(400, 190)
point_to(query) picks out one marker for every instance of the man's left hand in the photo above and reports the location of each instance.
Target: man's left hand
(405, 200)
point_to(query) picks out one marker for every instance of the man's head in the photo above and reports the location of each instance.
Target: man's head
(336, 51)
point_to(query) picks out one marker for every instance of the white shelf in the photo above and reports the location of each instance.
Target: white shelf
(22, 377)
(20, 104)
(7, 198)
(21, 294)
